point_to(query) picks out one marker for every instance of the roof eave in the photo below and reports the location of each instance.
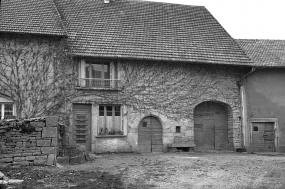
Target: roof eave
(33, 33)
(248, 64)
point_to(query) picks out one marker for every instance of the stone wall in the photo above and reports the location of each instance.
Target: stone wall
(44, 83)
(35, 148)
(170, 92)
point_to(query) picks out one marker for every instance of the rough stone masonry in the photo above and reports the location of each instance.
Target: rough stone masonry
(36, 148)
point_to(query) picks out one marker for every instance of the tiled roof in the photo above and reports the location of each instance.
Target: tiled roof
(30, 16)
(148, 30)
(264, 52)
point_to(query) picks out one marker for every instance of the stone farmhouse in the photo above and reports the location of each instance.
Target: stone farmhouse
(135, 76)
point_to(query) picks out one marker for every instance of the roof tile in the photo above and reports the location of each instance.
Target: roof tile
(264, 52)
(148, 30)
(30, 16)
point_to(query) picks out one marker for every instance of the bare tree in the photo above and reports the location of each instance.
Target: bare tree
(33, 72)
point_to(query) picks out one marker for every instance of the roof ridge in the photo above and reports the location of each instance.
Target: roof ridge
(262, 39)
(160, 2)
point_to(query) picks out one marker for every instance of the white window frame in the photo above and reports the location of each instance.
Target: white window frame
(113, 117)
(113, 79)
(4, 101)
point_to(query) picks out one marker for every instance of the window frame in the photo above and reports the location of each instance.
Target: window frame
(177, 129)
(101, 131)
(2, 109)
(111, 82)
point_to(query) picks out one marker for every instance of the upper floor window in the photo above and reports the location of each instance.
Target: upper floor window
(98, 74)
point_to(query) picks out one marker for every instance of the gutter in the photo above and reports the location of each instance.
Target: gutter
(246, 75)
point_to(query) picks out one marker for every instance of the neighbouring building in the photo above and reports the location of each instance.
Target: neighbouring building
(31, 55)
(148, 75)
(263, 91)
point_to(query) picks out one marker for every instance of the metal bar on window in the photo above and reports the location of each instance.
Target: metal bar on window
(101, 83)
(105, 117)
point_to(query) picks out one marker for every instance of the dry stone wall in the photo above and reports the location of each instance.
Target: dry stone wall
(36, 148)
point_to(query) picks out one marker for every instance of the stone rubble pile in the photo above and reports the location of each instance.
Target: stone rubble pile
(5, 180)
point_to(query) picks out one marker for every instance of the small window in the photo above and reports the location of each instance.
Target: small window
(101, 110)
(255, 128)
(117, 110)
(144, 124)
(109, 110)
(6, 111)
(178, 129)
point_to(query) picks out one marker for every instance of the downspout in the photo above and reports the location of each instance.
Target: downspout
(244, 77)
(243, 106)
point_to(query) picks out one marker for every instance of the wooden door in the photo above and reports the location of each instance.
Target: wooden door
(156, 135)
(150, 135)
(210, 126)
(263, 137)
(82, 125)
(221, 128)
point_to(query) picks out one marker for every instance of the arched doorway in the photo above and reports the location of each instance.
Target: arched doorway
(211, 126)
(150, 135)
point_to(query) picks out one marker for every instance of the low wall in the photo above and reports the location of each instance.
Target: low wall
(38, 147)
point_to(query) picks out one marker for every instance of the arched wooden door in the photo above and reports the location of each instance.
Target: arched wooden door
(150, 135)
(210, 126)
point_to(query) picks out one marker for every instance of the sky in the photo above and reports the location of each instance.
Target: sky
(245, 19)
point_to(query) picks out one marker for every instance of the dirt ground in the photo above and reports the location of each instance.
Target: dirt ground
(184, 170)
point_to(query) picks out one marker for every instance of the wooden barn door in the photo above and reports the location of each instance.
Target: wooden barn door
(210, 126)
(150, 135)
(263, 137)
(82, 125)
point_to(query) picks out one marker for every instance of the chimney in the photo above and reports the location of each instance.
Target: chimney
(106, 1)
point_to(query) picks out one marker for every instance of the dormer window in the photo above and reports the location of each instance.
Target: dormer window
(98, 74)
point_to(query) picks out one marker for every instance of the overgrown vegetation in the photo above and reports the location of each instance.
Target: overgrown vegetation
(112, 131)
(34, 73)
(19, 124)
(172, 89)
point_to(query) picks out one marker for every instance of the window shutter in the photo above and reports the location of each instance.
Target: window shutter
(112, 74)
(82, 73)
(122, 118)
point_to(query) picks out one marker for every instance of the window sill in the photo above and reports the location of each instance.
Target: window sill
(98, 89)
(110, 136)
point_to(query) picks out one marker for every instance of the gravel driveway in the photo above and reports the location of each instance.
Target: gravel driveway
(187, 170)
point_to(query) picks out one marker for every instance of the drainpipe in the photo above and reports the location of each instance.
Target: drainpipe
(246, 75)
(243, 106)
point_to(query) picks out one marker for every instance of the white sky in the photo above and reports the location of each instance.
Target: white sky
(246, 19)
